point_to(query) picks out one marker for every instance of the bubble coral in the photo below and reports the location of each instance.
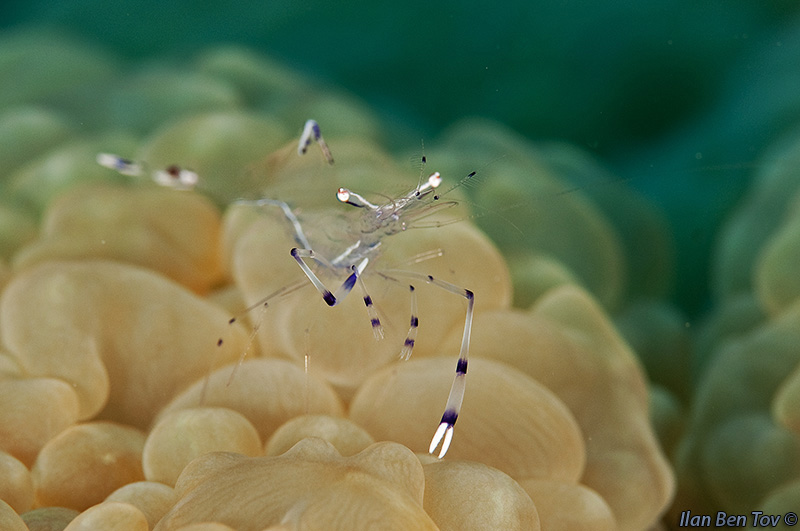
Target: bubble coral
(745, 406)
(116, 387)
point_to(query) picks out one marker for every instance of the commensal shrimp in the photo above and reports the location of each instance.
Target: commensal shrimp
(345, 258)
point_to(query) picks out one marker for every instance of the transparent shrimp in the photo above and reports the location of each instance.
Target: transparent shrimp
(365, 237)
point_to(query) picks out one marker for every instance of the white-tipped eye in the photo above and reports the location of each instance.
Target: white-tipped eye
(177, 178)
(351, 198)
(435, 179)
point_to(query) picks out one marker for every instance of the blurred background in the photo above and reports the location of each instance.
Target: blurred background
(679, 96)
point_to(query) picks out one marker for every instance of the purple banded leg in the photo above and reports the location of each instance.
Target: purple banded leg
(331, 299)
(311, 133)
(411, 338)
(444, 433)
(377, 328)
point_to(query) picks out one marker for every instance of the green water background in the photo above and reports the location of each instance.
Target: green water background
(679, 96)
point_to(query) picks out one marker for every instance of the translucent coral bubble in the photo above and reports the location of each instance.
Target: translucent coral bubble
(360, 503)
(732, 318)
(340, 341)
(308, 182)
(110, 516)
(222, 147)
(645, 237)
(188, 433)
(310, 487)
(782, 499)
(9, 519)
(756, 221)
(43, 179)
(624, 462)
(260, 80)
(765, 456)
(567, 343)
(737, 390)
(153, 499)
(519, 185)
(776, 280)
(268, 392)
(347, 437)
(16, 229)
(341, 114)
(126, 338)
(86, 462)
(5, 273)
(508, 421)
(176, 234)
(206, 526)
(26, 132)
(534, 274)
(568, 506)
(49, 518)
(34, 411)
(60, 71)
(16, 488)
(668, 417)
(786, 403)
(659, 335)
(461, 495)
(160, 94)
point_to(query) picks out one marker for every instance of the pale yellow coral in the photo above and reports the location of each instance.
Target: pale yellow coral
(110, 516)
(188, 433)
(519, 212)
(301, 324)
(568, 506)
(220, 146)
(34, 411)
(554, 428)
(85, 463)
(16, 488)
(309, 487)
(624, 462)
(346, 436)
(9, 519)
(567, 343)
(776, 281)
(49, 518)
(464, 496)
(151, 498)
(95, 323)
(524, 431)
(268, 392)
(173, 234)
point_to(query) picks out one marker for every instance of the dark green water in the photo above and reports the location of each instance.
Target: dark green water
(679, 96)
